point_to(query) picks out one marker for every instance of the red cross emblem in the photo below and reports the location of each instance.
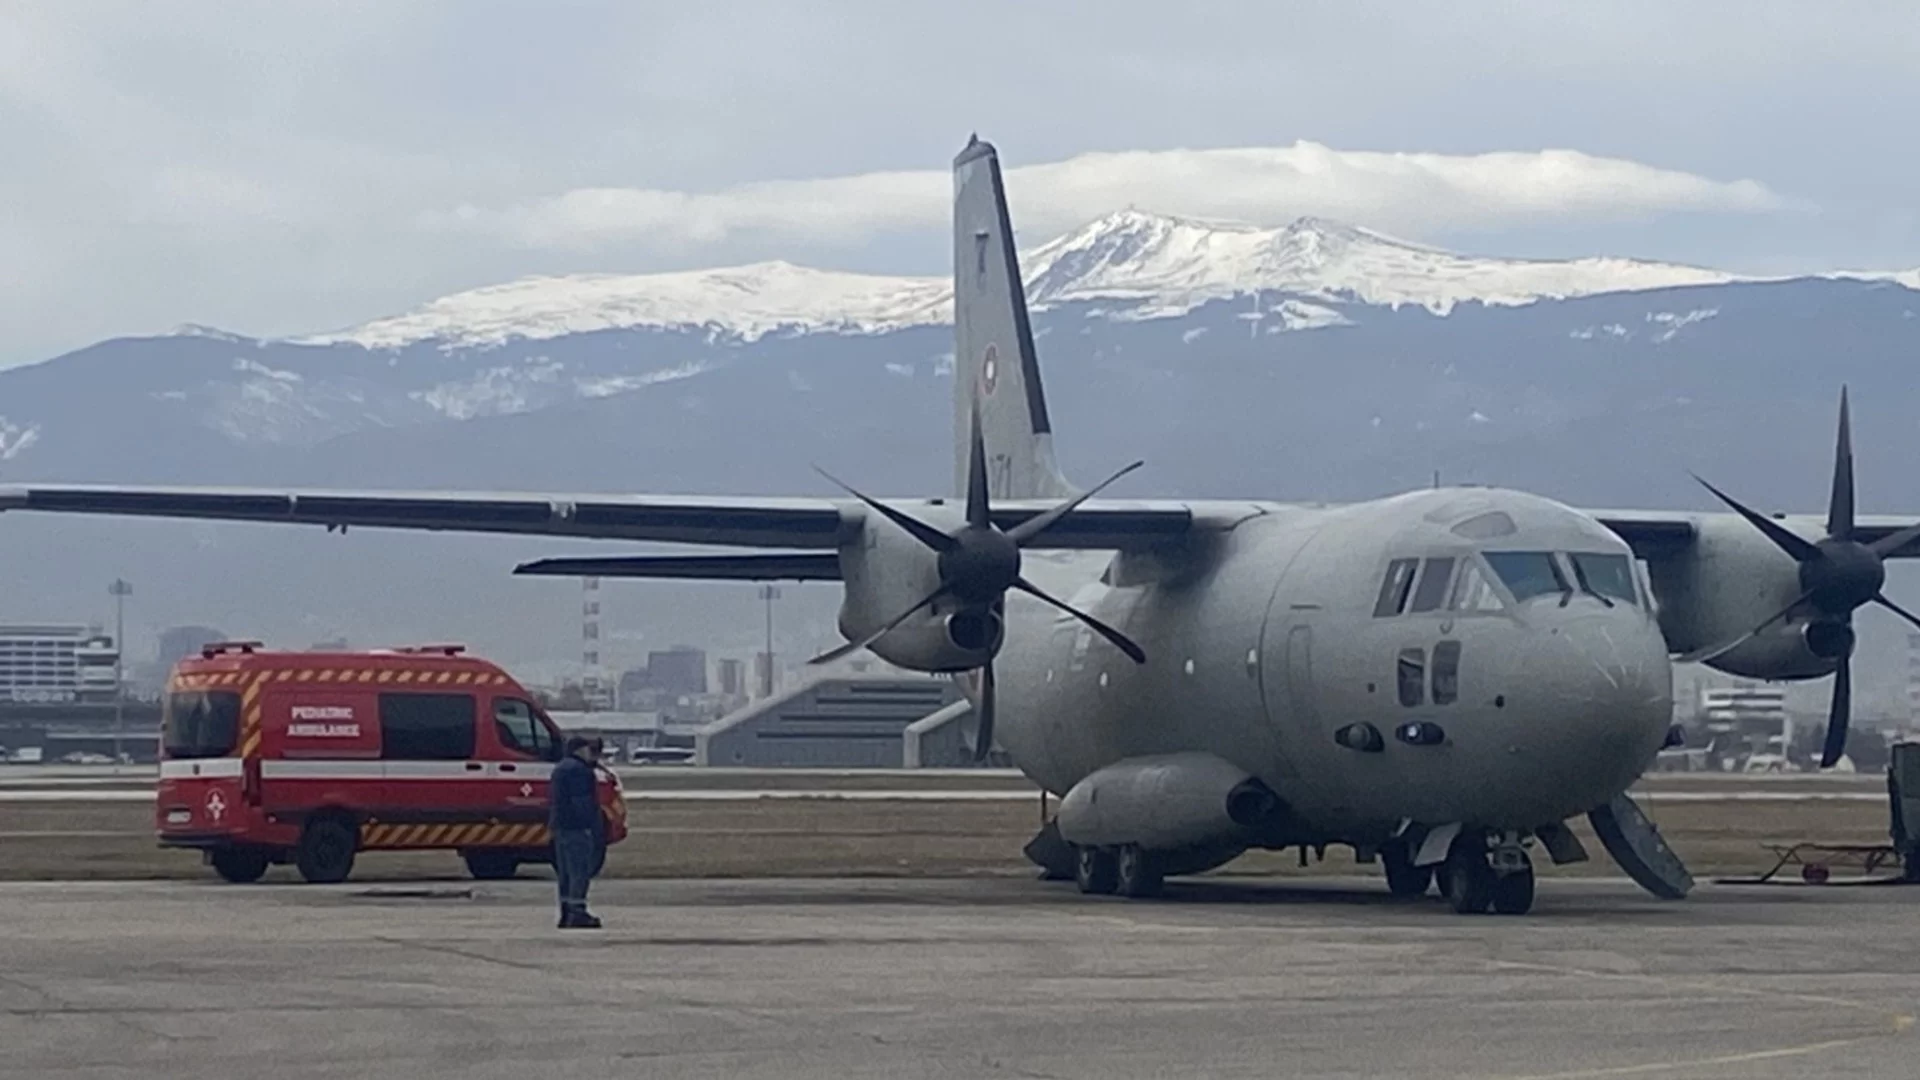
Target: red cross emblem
(216, 806)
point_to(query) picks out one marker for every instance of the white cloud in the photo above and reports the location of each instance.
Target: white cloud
(1419, 193)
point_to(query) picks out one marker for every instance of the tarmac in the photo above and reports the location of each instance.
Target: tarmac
(953, 978)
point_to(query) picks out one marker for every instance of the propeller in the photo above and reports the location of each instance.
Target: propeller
(978, 564)
(1838, 575)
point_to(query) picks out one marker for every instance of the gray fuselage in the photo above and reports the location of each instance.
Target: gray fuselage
(1298, 623)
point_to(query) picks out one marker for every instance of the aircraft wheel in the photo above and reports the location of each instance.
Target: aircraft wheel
(1097, 871)
(1466, 876)
(1513, 892)
(1137, 872)
(1404, 878)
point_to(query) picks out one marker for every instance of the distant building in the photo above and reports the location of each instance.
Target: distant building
(679, 670)
(732, 678)
(56, 664)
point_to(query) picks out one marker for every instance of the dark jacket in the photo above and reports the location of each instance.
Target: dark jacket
(574, 794)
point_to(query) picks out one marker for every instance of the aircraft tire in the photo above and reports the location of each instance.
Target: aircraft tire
(1097, 871)
(1403, 878)
(1513, 893)
(1137, 873)
(1467, 878)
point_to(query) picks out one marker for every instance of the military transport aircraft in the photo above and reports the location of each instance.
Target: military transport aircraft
(1440, 679)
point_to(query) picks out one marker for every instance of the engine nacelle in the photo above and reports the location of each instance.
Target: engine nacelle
(1165, 802)
(885, 571)
(1728, 582)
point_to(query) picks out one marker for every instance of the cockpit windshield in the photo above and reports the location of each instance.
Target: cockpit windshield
(1610, 576)
(1528, 574)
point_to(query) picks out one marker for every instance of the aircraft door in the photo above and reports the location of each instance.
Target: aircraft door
(1300, 692)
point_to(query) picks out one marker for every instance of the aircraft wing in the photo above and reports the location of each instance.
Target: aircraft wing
(791, 523)
(1655, 534)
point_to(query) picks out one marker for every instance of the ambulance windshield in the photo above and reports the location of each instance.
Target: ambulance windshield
(201, 724)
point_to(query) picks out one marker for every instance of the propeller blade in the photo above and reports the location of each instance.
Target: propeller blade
(978, 515)
(1034, 526)
(1840, 504)
(1841, 714)
(1801, 550)
(920, 530)
(1120, 640)
(1893, 542)
(983, 732)
(1700, 656)
(1897, 609)
(856, 646)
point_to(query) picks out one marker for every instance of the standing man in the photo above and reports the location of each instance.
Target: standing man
(578, 829)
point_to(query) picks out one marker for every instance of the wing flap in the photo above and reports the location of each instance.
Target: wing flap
(770, 566)
(795, 523)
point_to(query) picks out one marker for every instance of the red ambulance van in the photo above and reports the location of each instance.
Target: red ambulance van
(313, 757)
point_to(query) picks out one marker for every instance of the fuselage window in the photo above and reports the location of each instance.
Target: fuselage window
(1412, 676)
(1393, 591)
(1473, 592)
(1528, 573)
(1446, 672)
(1433, 585)
(1609, 575)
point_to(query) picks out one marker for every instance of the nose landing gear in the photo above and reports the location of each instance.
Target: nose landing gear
(1488, 871)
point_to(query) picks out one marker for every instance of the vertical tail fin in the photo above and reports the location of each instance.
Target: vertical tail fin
(994, 362)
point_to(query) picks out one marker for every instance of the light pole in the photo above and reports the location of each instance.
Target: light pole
(119, 590)
(769, 593)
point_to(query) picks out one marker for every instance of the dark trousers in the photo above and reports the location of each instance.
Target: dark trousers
(575, 855)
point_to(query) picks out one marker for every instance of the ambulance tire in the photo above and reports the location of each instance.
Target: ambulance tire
(492, 865)
(325, 854)
(242, 866)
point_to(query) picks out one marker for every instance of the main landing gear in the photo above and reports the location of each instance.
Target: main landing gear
(1485, 872)
(1127, 870)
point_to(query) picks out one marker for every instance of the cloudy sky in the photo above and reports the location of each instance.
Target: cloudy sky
(288, 167)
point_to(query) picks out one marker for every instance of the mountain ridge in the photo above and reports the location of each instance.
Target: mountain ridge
(1151, 265)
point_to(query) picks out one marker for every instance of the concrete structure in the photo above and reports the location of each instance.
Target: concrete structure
(837, 722)
(55, 664)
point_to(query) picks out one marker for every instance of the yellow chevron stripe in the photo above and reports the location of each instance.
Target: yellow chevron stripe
(405, 676)
(444, 676)
(385, 676)
(251, 746)
(464, 677)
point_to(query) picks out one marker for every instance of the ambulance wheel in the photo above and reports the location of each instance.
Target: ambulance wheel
(326, 851)
(1096, 871)
(240, 865)
(492, 865)
(1404, 878)
(1136, 872)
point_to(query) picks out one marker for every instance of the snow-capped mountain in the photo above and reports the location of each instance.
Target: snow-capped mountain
(1145, 265)
(1314, 360)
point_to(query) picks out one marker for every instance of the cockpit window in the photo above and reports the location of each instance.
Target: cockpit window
(1528, 573)
(1433, 584)
(1473, 592)
(1610, 576)
(1394, 590)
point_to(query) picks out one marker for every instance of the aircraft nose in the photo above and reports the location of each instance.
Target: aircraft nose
(1596, 690)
